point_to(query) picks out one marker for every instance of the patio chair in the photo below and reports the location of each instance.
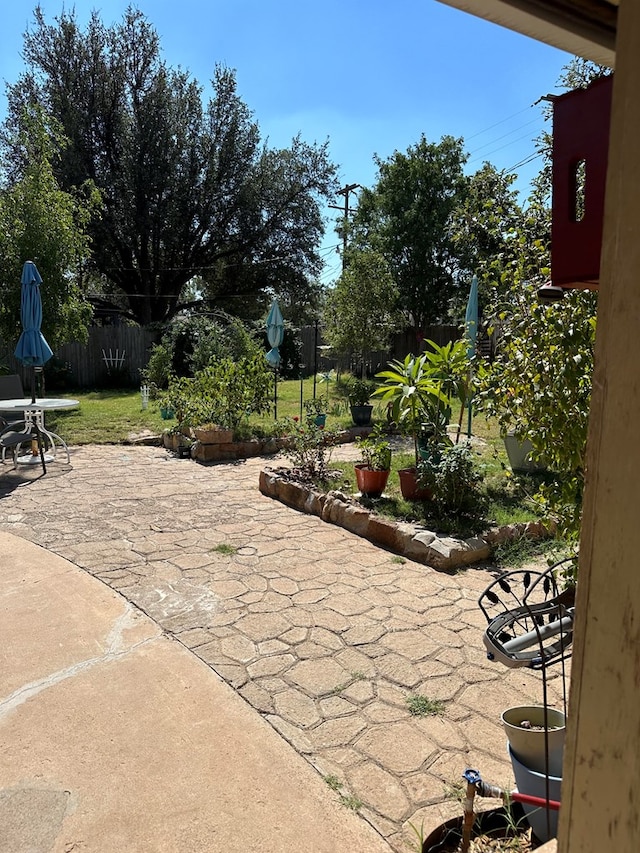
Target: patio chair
(11, 438)
(10, 389)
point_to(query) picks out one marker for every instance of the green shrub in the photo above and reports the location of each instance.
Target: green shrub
(310, 447)
(223, 394)
(454, 478)
(540, 386)
(192, 344)
(158, 370)
(358, 391)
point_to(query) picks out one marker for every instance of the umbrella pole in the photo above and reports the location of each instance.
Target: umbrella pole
(41, 448)
(301, 391)
(275, 393)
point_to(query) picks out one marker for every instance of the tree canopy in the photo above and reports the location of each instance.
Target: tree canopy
(406, 217)
(188, 189)
(361, 311)
(486, 235)
(42, 223)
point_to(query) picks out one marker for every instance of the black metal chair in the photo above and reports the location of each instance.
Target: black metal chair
(10, 389)
(13, 429)
(11, 439)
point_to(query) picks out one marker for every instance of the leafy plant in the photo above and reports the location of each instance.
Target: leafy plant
(375, 450)
(540, 386)
(223, 394)
(310, 447)
(453, 477)
(414, 393)
(157, 373)
(315, 406)
(360, 312)
(451, 366)
(358, 391)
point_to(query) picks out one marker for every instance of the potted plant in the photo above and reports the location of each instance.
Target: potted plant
(536, 745)
(316, 411)
(519, 452)
(525, 729)
(358, 392)
(373, 472)
(415, 396)
(502, 828)
(450, 472)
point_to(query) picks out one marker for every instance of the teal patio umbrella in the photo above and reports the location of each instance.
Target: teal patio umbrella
(471, 334)
(32, 348)
(275, 336)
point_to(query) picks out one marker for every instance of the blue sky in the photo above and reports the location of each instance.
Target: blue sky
(369, 75)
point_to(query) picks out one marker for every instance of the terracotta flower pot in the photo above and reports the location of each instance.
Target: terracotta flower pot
(371, 483)
(409, 486)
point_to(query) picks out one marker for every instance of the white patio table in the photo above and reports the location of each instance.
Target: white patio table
(34, 423)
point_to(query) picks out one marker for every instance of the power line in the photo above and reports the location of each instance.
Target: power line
(502, 121)
(499, 148)
(524, 162)
(504, 135)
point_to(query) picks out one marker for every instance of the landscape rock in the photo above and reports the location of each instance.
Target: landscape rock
(411, 541)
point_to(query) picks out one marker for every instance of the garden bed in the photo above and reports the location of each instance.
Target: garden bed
(225, 451)
(412, 541)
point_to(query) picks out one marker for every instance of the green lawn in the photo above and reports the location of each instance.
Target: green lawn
(110, 416)
(105, 417)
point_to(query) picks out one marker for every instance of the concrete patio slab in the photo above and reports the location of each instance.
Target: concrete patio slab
(116, 738)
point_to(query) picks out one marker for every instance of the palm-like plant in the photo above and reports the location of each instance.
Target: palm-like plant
(450, 366)
(416, 396)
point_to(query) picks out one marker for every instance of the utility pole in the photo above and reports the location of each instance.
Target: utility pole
(346, 191)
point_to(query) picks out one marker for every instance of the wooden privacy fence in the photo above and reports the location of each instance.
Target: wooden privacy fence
(117, 354)
(316, 357)
(112, 355)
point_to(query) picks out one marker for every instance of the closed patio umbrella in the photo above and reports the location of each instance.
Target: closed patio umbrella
(275, 336)
(32, 348)
(471, 334)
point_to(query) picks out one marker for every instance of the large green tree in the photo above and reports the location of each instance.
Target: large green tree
(361, 311)
(188, 189)
(486, 235)
(42, 223)
(407, 218)
(540, 383)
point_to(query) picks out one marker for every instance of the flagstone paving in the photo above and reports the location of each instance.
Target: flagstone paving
(323, 633)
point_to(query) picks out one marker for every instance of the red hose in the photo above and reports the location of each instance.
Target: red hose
(530, 800)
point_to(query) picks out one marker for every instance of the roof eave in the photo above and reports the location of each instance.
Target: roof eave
(561, 25)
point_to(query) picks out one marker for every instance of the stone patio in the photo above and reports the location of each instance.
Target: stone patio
(322, 633)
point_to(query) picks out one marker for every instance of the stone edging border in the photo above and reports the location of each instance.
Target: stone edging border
(423, 546)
